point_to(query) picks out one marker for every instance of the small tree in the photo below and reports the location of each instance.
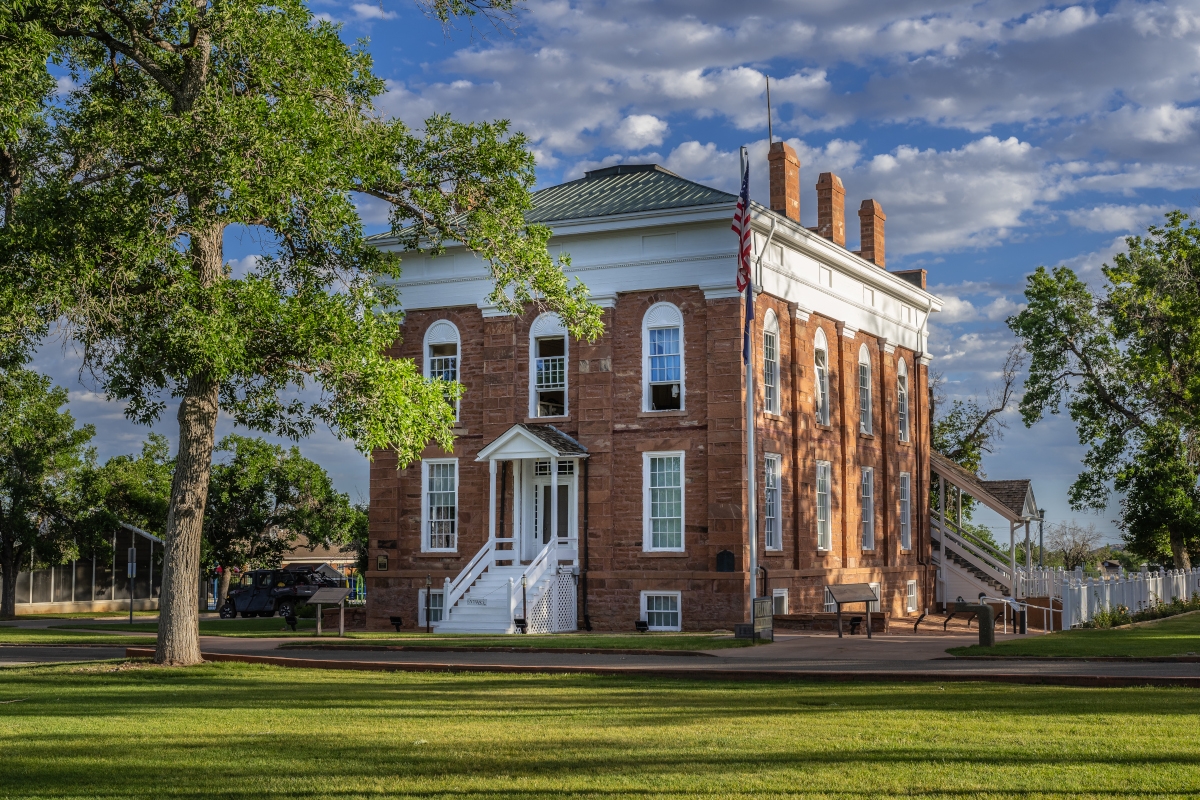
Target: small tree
(265, 499)
(42, 459)
(1161, 499)
(133, 489)
(1074, 542)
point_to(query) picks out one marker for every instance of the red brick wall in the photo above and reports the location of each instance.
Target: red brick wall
(605, 402)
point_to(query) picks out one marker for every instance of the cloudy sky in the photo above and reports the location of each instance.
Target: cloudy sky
(997, 136)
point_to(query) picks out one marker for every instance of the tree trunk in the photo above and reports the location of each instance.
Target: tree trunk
(179, 609)
(223, 586)
(8, 572)
(1179, 550)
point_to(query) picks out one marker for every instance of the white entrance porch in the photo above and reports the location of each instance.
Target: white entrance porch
(528, 572)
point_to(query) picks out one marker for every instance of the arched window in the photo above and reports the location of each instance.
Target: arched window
(821, 377)
(662, 358)
(771, 362)
(442, 346)
(864, 390)
(548, 367)
(902, 398)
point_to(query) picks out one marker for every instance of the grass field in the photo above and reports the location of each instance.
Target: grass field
(273, 626)
(241, 731)
(47, 636)
(1165, 637)
(264, 627)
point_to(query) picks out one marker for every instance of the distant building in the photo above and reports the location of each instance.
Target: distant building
(611, 476)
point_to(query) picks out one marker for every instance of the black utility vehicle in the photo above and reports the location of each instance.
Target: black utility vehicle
(265, 592)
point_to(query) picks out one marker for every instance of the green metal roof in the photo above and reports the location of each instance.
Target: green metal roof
(622, 189)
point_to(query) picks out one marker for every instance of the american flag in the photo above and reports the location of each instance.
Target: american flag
(741, 226)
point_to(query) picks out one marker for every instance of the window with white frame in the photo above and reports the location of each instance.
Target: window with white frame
(830, 605)
(874, 604)
(821, 377)
(771, 363)
(662, 368)
(439, 511)
(442, 344)
(436, 596)
(779, 601)
(660, 610)
(662, 500)
(910, 597)
(772, 527)
(902, 399)
(905, 511)
(864, 390)
(548, 367)
(868, 508)
(824, 522)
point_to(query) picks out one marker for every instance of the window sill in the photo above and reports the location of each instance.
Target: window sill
(457, 431)
(545, 420)
(821, 426)
(436, 554)
(680, 412)
(865, 435)
(774, 416)
(664, 553)
(823, 553)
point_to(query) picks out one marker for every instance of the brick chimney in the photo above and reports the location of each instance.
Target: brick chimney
(870, 225)
(784, 167)
(831, 208)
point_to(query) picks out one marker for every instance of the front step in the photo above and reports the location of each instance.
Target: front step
(483, 608)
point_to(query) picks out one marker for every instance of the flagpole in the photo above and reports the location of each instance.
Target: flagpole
(751, 461)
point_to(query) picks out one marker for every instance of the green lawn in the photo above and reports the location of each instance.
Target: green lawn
(240, 731)
(12, 635)
(263, 627)
(1165, 637)
(597, 641)
(274, 626)
(89, 615)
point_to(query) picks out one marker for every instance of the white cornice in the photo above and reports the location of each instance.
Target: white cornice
(826, 252)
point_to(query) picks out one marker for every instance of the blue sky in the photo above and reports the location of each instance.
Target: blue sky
(997, 136)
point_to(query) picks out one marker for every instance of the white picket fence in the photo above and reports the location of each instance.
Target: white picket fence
(1083, 596)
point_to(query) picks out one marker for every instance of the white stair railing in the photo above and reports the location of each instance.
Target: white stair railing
(456, 588)
(981, 555)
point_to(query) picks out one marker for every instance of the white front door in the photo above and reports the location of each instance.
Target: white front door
(539, 504)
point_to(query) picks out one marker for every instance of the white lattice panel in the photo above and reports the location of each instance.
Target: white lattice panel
(541, 616)
(564, 604)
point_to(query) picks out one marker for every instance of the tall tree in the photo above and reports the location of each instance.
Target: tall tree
(1125, 362)
(263, 500)
(42, 459)
(192, 116)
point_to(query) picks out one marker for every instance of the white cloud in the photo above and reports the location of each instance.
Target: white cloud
(639, 131)
(366, 11)
(1110, 217)
(64, 85)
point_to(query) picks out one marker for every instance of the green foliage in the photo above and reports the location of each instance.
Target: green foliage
(43, 457)
(1163, 610)
(189, 118)
(264, 499)
(1125, 363)
(132, 489)
(1110, 618)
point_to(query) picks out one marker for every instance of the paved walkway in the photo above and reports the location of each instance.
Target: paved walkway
(793, 656)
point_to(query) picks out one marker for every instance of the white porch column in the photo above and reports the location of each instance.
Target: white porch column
(554, 500)
(492, 500)
(1012, 558)
(518, 510)
(1028, 550)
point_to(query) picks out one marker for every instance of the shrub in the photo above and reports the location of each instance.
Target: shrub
(1160, 610)
(1110, 618)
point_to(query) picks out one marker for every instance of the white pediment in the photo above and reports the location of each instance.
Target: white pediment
(517, 443)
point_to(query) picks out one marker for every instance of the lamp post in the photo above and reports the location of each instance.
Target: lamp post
(1041, 544)
(428, 595)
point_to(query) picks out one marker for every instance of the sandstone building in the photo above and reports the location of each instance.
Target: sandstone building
(600, 484)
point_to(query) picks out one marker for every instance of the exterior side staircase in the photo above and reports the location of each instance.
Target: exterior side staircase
(968, 565)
